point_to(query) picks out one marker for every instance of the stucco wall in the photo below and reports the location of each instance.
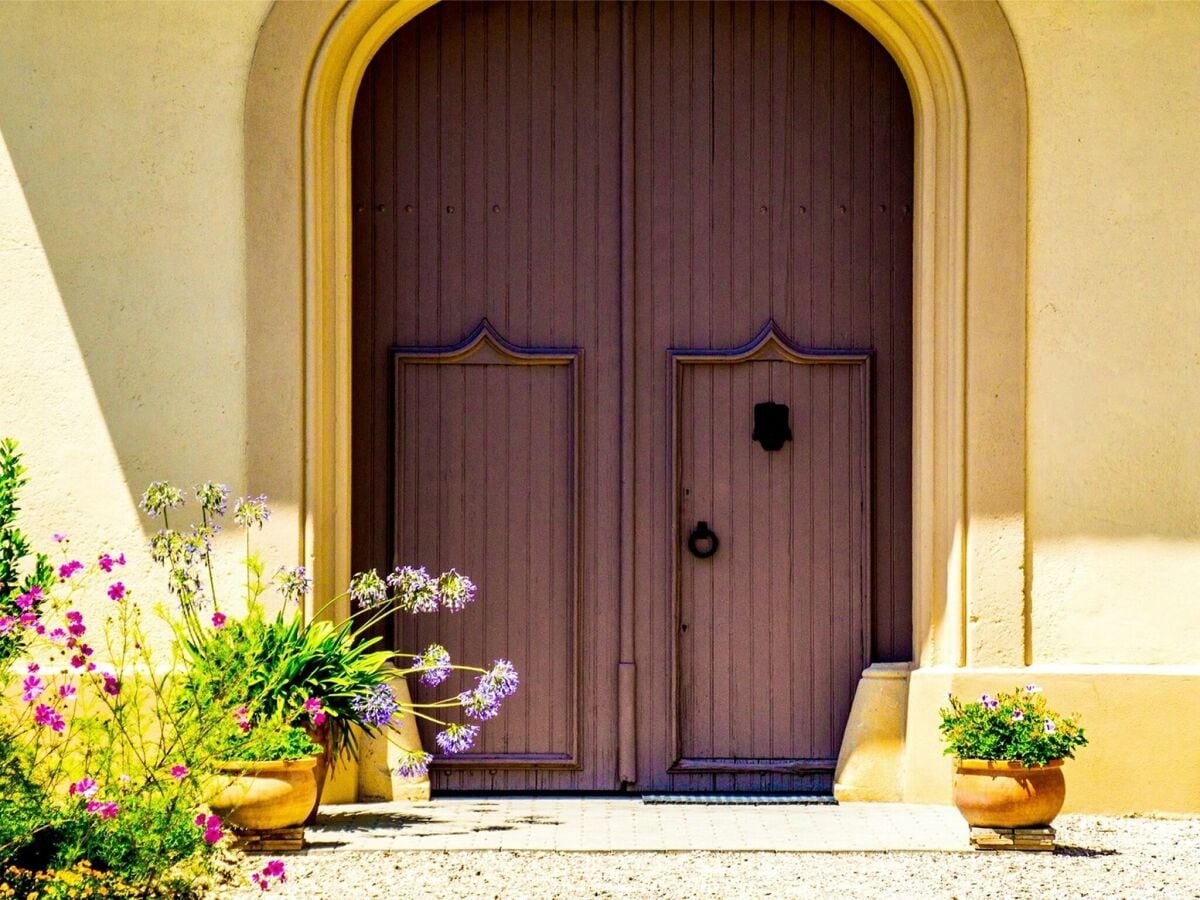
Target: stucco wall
(1114, 329)
(128, 334)
(122, 277)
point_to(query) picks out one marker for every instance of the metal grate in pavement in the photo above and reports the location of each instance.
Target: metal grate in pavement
(741, 799)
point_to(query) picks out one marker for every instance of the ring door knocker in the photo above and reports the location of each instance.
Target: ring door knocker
(702, 534)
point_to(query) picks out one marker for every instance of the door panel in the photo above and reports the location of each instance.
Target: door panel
(771, 626)
(489, 485)
(486, 185)
(772, 161)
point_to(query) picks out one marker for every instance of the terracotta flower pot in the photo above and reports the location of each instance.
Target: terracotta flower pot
(1001, 794)
(265, 795)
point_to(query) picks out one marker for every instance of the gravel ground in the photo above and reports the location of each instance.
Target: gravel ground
(1097, 857)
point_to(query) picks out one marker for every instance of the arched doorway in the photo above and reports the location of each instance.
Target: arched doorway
(597, 249)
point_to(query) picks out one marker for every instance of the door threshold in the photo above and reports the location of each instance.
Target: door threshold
(742, 799)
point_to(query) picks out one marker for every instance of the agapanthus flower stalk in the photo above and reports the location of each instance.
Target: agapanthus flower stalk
(457, 738)
(377, 707)
(367, 589)
(413, 763)
(159, 497)
(433, 664)
(455, 590)
(293, 583)
(251, 511)
(415, 590)
(213, 497)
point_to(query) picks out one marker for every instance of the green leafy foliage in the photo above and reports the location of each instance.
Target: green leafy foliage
(270, 739)
(1015, 727)
(15, 551)
(273, 664)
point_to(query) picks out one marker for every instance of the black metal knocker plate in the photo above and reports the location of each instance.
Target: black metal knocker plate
(702, 534)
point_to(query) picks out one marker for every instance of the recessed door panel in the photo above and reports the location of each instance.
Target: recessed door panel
(771, 627)
(488, 479)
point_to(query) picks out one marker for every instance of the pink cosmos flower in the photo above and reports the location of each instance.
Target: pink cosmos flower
(178, 772)
(112, 687)
(57, 636)
(66, 570)
(312, 706)
(25, 601)
(46, 715)
(66, 690)
(29, 619)
(106, 562)
(106, 810)
(32, 668)
(211, 826)
(6, 624)
(218, 620)
(32, 688)
(116, 590)
(242, 716)
(75, 623)
(85, 787)
(273, 869)
(58, 537)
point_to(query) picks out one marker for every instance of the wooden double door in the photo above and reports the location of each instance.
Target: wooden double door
(632, 348)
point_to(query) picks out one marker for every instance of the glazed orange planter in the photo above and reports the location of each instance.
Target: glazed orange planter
(265, 795)
(1001, 794)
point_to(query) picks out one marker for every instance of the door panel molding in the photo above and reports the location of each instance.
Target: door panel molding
(771, 345)
(484, 349)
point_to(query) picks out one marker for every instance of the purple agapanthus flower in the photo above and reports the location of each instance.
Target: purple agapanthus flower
(377, 707)
(367, 589)
(433, 664)
(251, 511)
(457, 738)
(213, 497)
(480, 703)
(455, 590)
(413, 763)
(293, 583)
(501, 679)
(415, 591)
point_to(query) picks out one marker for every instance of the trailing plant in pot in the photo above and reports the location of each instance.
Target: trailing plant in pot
(1009, 753)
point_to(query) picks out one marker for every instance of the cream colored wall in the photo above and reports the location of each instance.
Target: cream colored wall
(122, 257)
(1114, 329)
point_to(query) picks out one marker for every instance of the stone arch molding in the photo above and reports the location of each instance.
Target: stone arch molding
(964, 73)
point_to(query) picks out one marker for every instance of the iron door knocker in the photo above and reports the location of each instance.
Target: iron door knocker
(702, 533)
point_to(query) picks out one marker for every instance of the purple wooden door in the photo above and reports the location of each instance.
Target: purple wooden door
(772, 615)
(569, 220)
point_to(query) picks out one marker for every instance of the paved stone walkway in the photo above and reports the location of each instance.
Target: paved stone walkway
(627, 824)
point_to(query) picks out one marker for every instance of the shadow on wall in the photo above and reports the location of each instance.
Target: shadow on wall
(124, 210)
